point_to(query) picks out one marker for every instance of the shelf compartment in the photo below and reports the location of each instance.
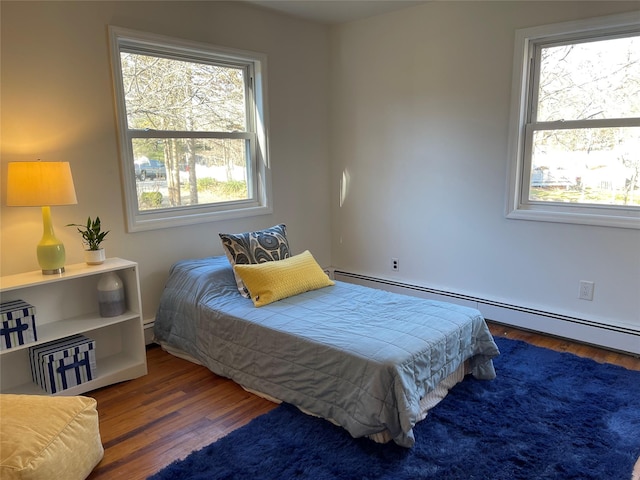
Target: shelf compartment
(113, 369)
(64, 328)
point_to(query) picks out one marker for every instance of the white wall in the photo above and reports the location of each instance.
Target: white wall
(57, 105)
(420, 111)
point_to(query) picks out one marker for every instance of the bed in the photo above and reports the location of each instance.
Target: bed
(368, 360)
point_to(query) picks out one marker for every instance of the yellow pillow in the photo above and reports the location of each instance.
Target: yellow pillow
(271, 281)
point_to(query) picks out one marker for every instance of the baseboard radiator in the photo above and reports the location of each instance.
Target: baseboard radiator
(613, 337)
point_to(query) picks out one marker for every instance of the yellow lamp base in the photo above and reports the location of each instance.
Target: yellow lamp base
(50, 251)
(51, 258)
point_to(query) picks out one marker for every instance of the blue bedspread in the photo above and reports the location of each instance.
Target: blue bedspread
(359, 356)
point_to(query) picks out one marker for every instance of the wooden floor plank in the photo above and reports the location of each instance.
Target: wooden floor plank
(563, 345)
(179, 407)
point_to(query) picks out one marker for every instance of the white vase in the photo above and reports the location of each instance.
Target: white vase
(111, 295)
(94, 257)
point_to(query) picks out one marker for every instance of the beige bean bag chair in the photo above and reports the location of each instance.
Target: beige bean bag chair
(48, 438)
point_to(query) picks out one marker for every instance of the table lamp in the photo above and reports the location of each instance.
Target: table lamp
(42, 184)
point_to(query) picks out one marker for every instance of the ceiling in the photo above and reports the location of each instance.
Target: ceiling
(332, 12)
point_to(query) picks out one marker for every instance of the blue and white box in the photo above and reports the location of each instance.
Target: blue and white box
(17, 324)
(65, 363)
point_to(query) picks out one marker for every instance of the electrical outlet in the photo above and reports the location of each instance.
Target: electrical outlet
(395, 265)
(586, 290)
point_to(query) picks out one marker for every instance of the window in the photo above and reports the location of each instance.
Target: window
(192, 128)
(575, 123)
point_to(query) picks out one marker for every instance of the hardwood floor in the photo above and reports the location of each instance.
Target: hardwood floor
(563, 345)
(179, 407)
(147, 423)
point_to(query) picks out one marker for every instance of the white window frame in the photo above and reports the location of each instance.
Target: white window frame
(259, 170)
(520, 137)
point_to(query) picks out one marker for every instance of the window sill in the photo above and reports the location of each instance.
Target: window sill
(143, 222)
(597, 216)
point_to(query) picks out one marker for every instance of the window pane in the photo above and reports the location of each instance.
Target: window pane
(592, 80)
(193, 172)
(166, 94)
(594, 166)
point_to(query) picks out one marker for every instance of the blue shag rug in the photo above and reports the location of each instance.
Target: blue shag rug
(547, 415)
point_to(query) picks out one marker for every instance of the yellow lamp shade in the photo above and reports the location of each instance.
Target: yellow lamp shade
(35, 184)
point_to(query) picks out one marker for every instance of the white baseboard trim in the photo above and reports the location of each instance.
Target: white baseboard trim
(613, 337)
(147, 326)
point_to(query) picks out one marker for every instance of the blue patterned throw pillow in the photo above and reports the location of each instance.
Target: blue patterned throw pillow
(255, 247)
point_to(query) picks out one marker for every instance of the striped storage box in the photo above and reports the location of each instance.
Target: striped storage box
(62, 364)
(17, 324)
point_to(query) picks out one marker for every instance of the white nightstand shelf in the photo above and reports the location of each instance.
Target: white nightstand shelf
(67, 304)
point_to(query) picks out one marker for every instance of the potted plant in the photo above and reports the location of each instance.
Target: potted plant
(92, 237)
